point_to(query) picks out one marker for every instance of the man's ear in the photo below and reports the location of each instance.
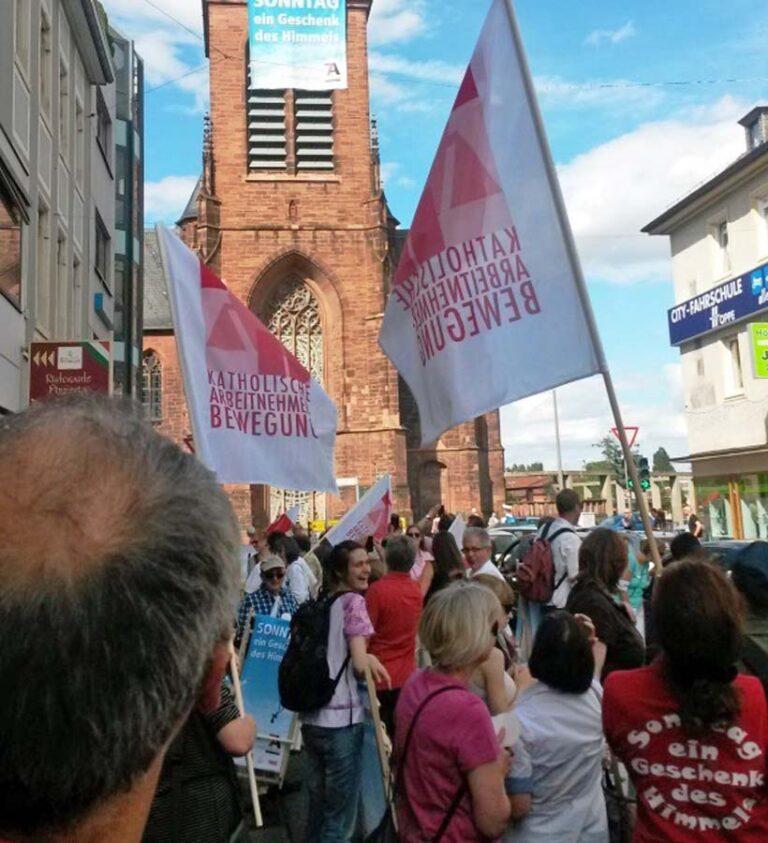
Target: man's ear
(210, 689)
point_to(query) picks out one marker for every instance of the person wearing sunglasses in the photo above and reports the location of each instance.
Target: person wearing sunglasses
(423, 570)
(272, 597)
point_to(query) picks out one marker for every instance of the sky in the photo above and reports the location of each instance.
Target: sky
(640, 102)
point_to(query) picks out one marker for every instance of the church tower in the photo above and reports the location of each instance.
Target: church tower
(290, 212)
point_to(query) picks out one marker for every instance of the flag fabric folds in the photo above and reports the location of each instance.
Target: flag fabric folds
(370, 517)
(485, 306)
(257, 415)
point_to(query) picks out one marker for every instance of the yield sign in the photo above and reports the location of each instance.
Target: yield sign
(631, 434)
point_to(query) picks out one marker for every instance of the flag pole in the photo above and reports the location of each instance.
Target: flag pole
(573, 258)
(560, 480)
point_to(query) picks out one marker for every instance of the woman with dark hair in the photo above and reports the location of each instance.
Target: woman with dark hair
(603, 559)
(448, 563)
(555, 784)
(691, 731)
(333, 735)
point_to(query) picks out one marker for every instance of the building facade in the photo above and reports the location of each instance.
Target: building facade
(57, 187)
(719, 242)
(290, 213)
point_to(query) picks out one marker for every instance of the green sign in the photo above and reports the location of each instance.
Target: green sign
(758, 335)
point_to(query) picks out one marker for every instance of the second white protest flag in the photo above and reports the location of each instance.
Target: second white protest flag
(485, 307)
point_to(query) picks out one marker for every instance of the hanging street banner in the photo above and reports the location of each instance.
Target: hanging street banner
(485, 307)
(370, 516)
(261, 697)
(58, 368)
(257, 415)
(298, 44)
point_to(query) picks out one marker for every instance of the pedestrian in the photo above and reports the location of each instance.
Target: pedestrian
(684, 545)
(333, 735)
(451, 767)
(565, 546)
(198, 795)
(477, 521)
(116, 630)
(627, 520)
(423, 569)
(394, 606)
(555, 783)
(448, 563)
(272, 598)
(493, 521)
(305, 546)
(689, 728)
(603, 561)
(299, 577)
(490, 680)
(395, 527)
(693, 523)
(478, 551)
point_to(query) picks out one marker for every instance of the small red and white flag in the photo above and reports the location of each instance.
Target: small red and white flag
(486, 307)
(285, 523)
(257, 414)
(370, 516)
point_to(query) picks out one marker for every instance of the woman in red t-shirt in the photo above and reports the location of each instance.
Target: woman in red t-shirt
(691, 731)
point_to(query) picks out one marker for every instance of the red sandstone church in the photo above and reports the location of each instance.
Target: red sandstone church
(290, 212)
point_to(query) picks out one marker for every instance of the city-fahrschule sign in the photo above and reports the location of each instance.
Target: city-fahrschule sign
(730, 302)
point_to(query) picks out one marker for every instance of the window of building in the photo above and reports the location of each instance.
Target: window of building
(721, 238)
(22, 28)
(46, 63)
(80, 143)
(101, 264)
(152, 387)
(11, 249)
(313, 130)
(267, 131)
(43, 275)
(103, 128)
(734, 373)
(64, 118)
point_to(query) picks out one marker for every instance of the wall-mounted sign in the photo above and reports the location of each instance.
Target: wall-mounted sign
(758, 344)
(56, 368)
(298, 44)
(719, 307)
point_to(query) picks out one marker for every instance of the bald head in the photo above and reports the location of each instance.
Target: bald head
(118, 576)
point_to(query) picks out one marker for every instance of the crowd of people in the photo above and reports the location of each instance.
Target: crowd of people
(117, 722)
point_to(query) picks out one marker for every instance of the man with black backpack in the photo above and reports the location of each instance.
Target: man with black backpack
(565, 545)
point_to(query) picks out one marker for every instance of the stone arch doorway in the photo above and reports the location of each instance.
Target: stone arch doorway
(432, 486)
(292, 313)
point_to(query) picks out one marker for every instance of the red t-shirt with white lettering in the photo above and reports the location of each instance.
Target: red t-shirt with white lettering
(712, 788)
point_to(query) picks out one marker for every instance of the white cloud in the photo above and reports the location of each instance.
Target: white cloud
(528, 428)
(172, 50)
(396, 21)
(615, 189)
(392, 174)
(611, 36)
(165, 200)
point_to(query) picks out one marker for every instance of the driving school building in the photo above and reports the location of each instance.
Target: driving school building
(719, 241)
(291, 214)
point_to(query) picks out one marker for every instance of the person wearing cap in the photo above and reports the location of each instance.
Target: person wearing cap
(272, 597)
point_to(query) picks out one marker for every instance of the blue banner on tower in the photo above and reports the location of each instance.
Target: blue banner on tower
(298, 44)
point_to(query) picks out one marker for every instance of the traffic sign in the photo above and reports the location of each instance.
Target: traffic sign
(631, 432)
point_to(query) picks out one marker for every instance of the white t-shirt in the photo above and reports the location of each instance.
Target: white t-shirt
(488, 568)
(565, 555)
(559, 761)
(301, 581)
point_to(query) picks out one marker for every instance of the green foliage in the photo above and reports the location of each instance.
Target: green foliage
(534, 466)
(662, 462)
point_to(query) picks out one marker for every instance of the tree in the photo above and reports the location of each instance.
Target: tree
(662, 463)
(521, 468)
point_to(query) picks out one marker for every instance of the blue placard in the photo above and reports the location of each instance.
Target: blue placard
(298, 44)
(719, 307)
(269, 641)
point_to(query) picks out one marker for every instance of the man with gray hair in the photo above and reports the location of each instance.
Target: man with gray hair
(478, 550)
(118, 582)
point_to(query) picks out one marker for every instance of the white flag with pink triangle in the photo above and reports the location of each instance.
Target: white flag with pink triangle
(485, 307)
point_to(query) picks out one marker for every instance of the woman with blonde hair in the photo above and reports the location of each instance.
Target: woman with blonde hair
(450, 766)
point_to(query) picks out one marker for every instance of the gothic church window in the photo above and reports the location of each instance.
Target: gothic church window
(152, 387)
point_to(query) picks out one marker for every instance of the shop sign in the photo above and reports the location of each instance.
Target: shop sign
(57, 368)
(758, 344)
(730, 302)
(299, 44)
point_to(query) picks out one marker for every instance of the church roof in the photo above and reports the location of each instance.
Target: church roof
(190, 212)
(157, 307)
